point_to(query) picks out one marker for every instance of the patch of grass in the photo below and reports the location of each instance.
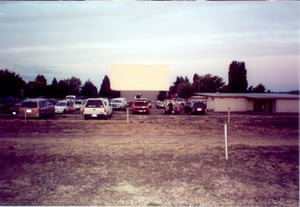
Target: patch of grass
(197, 188)
(152, 204)
(204, 188)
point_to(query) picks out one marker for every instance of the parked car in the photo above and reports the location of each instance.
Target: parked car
(62, 106)
(79, 104)
(14, 110)
(119, 103)
(179, 101)
(71, 99)
(36, 108)
(195, 107)
(140, 105)
(160, 104)
(150, 104)
(82, 106)
(97, 108)
(52, 100)
(7, 102)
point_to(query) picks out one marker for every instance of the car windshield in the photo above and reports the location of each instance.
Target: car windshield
(17, 105)
(116, 101)
(61, 104)
(29, 104)
(141, 103)
(199, 105)
(94, 104)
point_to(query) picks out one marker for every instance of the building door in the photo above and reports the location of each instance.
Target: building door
(264, 105)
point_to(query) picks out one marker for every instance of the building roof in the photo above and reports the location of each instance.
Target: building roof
(250, 95)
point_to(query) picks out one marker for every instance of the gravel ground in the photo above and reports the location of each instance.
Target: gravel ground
(153, 160)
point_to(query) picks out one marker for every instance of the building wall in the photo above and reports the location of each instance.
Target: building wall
(210, 104)
(252, 102)
(129, 95)
(250, 105)
(235, 104)
(287, 105)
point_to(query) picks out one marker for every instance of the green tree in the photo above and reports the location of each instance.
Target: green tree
(207, 83)
(260, 88)
(115, 94)
(70, 86)
(11, 84)
(54, 82)
(40, 78)
(53, 89)
(62, 89)
(38, 87)
(174, 89)
(185, 89)
(196, 83)
(237, 77)
(89, 89)
(74, 85)
(105, 90)
(162, 95)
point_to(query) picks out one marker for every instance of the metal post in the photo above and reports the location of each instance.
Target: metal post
(25, 115)
(226, 144)
(47, 126)
(127, 115)
(228, 116)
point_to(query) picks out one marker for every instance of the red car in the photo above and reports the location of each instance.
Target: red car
(140, 105)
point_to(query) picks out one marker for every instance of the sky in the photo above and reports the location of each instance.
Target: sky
(83, 39)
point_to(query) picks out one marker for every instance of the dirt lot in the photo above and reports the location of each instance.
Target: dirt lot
(153, 160)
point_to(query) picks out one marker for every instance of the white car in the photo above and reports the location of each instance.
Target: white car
(119, 103)
(97, 108)
(79, 104)
(62, 107)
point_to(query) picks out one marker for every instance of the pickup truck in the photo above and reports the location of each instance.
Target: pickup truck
(97, 108)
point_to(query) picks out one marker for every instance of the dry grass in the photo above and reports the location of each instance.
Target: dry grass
(154, 160)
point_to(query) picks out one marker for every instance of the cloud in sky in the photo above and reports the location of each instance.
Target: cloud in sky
(83, 39)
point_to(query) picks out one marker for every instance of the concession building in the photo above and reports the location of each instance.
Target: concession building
(242, 102)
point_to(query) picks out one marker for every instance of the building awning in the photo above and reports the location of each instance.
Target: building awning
(250, 95)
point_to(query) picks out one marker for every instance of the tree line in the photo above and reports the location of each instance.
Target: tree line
(13, 85)
(208, 83)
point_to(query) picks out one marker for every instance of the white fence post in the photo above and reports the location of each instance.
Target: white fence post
(226, 144)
